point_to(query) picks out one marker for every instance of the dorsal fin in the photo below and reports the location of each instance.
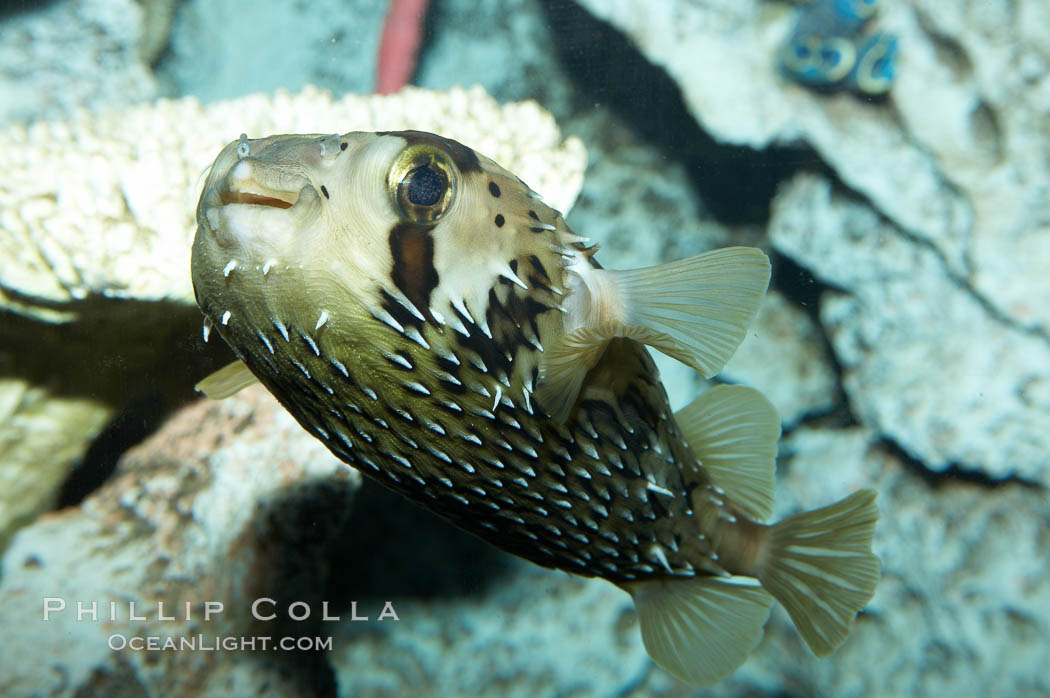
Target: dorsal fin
(228, 380)
(733, 430)
(696, 310)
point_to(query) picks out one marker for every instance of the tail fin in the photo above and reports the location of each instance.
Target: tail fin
(819, 564)
(700, 629)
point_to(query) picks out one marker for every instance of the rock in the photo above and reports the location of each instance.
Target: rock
(785, 356)
(71, 54)
(925, 361)
(958, 155)
(538, 633)
(75, 394)
(158, 16)
(227, 503)
(221, 49)
(42, 435)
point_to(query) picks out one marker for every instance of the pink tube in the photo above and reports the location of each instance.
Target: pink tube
(399, 47)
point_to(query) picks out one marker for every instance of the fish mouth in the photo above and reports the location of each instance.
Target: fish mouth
(243, 185)
(252, 198)
(257, 208)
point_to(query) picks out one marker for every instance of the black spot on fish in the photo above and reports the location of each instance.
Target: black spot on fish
(534, 308)
(537, 230)
(533, 216)
(342, 146)
(538, 266)
(325, 192)
(412, 248)
(500, 220)
(466, 160)
(494, 189)
(399, 312)
(536, 282)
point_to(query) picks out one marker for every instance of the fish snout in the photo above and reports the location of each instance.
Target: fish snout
(256, 203)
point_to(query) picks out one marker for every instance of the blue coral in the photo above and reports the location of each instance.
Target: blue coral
(831, 49)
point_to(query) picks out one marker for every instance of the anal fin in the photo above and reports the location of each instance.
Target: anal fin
(228, 380)
(700, 629)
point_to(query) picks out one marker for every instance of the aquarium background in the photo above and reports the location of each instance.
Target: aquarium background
(905, 338)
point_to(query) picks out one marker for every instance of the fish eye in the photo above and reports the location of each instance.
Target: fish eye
(422, 182)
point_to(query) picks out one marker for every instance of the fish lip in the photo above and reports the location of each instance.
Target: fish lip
(243, 185)
(251, 198)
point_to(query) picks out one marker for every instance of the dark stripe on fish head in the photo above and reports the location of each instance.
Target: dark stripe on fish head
(413, 271)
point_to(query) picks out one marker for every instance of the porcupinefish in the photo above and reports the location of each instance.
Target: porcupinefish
(421, 311)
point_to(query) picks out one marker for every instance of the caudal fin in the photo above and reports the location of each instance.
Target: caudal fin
(700, 629)
(819, 564)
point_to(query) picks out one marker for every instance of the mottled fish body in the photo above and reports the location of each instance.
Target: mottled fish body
(422, 312)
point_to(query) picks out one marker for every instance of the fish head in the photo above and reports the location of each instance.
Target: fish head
(425, 218)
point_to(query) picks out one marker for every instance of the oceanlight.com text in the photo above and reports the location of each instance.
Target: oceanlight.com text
(213, 643)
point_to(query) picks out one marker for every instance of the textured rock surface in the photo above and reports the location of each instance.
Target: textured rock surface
(65, 384)
(139, 193)
(958, 157)
(925, 361)
(226, 48)
(954, 156)
(228, 503)
(42, 436)
(784, 356)
(157, 19)
(580, 636)
(956, 160)
(71, 54)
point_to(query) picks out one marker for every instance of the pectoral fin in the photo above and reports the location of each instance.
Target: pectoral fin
(226, 381)
(695, 310)
(564, 366)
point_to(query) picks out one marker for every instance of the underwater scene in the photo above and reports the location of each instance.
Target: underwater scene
(525, 348)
